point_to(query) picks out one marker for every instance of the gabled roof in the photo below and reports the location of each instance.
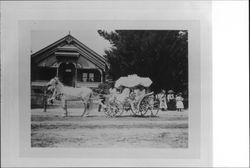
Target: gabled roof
(63, 44)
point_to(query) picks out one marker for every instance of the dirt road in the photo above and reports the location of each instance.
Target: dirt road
(50, 129)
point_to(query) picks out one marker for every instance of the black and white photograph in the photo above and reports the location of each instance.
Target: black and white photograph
(124, 83)
(108, 84)
(109, 89)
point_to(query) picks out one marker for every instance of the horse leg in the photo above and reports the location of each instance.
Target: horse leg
(64, 106)
(86, 101)
(85, 109)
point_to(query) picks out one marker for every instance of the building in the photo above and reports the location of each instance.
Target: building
(71, 61)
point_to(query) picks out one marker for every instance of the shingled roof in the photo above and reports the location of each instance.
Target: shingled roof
(70, 43)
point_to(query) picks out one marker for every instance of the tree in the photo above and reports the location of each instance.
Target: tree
(161, 55)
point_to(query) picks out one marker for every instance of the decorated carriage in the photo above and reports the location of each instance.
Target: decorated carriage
(134, 99)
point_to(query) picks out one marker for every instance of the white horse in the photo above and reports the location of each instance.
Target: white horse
(69, 94)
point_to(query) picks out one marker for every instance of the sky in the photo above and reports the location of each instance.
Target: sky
(89, 37)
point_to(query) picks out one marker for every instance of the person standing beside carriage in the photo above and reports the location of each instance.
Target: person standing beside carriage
(162, 99)
(179, 102)
(102, 100)
(171, 100)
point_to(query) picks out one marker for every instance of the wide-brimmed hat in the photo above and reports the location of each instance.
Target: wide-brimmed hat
(179, 94)
(170, 91)
(163, 90)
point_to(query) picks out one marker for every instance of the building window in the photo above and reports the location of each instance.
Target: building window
(91, 77)
(84, 77)
(88, 77)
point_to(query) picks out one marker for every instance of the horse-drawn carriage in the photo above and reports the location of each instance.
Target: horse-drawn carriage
(137, 101)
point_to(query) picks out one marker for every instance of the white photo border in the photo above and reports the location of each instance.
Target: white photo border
(191, 17)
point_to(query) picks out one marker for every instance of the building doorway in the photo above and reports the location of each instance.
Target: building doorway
(66, 74)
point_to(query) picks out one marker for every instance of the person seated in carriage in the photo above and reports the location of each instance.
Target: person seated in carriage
(139, 91)
(137, 94)
(122, 97)
(112, 93)
(115, 96)
(133, 96)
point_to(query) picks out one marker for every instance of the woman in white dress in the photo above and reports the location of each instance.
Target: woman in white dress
(124, 95)
(179, 102)
(163, 100)
(112, 93)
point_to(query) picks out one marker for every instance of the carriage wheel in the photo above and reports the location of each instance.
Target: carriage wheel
(154, 112)
(143, 106)
(135, 109)
(112, 110)
(147, 105)
(106, 111)
(126, 107)
(134, 112)
(155, 108)
(117, 108)
(119, 113)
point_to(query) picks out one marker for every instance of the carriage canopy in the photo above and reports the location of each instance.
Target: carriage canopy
(132, 81)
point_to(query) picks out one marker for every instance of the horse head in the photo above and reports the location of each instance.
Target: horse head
(52, 83)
